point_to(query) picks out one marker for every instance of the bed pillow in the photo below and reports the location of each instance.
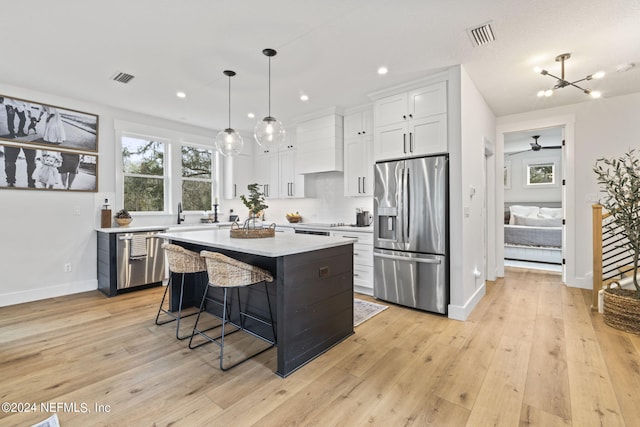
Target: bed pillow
(550, 213)
(537, 222)
(524, 211)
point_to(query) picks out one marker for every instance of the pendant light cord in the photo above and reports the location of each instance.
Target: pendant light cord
(229, 102)
(269, 86)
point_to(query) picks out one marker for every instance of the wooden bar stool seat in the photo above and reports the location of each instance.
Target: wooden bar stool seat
(227, 274)
(183, 262)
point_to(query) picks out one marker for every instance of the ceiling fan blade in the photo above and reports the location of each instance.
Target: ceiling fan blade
(553, 147)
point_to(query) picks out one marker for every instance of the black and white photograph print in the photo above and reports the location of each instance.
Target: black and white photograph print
(42, 124)
(25, 167)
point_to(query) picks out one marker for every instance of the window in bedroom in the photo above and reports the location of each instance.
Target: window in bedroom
(197, 178)
(541, 174)
(144, 172)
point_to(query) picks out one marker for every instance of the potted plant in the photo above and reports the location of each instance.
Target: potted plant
(123, 218)
(255, 203)
(620, 181)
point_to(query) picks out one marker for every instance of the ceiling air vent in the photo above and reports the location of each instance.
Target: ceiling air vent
(481, 35)
(123, 77)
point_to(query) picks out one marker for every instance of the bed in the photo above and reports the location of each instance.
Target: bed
(533, 232)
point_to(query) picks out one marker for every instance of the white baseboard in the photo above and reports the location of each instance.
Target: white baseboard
(457, 312)
(19, 297)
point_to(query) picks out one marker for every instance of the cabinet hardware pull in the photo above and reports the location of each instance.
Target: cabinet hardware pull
(363, 132)
(404, 142)
(411, 116)
(363, 191)
(359, 185)
(404, 117)
(411, 142)
(355, 274)
(234, 190)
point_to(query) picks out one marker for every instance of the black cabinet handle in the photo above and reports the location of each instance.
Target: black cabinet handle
(234, 190)
(359, 185)
(363, 132)
(411, 116)
(404, 117)
(404, 142)
(363, 191)
(411, 142)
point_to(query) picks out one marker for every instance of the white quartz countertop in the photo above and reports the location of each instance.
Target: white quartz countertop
(279, 245)
(214, 226)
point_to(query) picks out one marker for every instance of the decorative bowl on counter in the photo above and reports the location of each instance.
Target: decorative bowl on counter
(124, 222)
(294, 217)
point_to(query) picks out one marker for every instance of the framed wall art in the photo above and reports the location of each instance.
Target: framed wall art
(23, 166)
(29, 122)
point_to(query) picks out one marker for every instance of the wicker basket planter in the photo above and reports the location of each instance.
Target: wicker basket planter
(252, 233)
(621, 310)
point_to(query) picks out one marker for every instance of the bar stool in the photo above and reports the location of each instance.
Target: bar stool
(181, 261)
(227, 274)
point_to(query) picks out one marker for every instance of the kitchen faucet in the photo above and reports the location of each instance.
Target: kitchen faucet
(180, 215)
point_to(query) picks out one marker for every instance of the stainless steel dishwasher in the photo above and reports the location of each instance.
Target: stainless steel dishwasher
(140, 259)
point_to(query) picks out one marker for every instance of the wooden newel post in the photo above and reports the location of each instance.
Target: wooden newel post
(597, 254)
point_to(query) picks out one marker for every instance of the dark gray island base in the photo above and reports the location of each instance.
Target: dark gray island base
(313, 293)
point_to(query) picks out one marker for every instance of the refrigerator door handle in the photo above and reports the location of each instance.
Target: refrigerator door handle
(402, 258)
(405, 204)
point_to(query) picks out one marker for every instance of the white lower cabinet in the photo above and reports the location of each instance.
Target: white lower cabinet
(362, 260)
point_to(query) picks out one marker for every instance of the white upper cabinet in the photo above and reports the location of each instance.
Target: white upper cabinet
(265, 164)
(358, 153)
(238, 174)
(411, 123)
(291, 183)
(358, 124)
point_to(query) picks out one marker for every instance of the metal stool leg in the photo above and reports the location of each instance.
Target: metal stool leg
(174, 317)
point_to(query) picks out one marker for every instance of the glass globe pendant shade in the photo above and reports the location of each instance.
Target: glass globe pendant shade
(269, 132)
(229, 142)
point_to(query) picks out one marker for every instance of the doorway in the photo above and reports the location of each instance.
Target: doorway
(534, 198)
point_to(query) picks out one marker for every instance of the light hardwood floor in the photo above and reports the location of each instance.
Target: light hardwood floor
(531, 354)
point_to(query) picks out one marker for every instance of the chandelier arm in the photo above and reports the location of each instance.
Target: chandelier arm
(555, 77)
(576, 86)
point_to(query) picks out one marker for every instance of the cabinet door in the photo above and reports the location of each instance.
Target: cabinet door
(266, 172)
(391, 142)
(238, 174)
(390, 110)
(428, 101)
(291, 184)
(353, 167)
(352, 125)
(367, 122)
(428, 135)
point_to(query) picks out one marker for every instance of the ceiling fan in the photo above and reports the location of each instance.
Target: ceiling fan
(535, 146)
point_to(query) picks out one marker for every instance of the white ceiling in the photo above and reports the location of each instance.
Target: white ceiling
(328, 49)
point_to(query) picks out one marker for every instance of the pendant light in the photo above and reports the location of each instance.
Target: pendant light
(228, 141)
(269, 132)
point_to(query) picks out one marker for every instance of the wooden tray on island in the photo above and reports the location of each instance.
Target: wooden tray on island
(252, 233)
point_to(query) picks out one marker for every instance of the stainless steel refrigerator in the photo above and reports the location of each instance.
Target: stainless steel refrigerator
(411, 233)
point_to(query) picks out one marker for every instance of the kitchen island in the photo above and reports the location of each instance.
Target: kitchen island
(313, 287)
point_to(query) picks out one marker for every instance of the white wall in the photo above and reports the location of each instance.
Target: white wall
(519, 191)
(605, 127)
(476, 124)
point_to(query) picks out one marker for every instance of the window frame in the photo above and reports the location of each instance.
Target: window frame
(166, 177)
(214, 172)
(538, 163)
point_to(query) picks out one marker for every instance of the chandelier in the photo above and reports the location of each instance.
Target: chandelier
(562, 82)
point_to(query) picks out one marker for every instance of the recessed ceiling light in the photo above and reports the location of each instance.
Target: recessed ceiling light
(251, 115)
(304, 97)
(181, 94)
(382, 71)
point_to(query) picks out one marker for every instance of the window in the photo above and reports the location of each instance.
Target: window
(143, 167)
(197, 173)
(541, 174)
